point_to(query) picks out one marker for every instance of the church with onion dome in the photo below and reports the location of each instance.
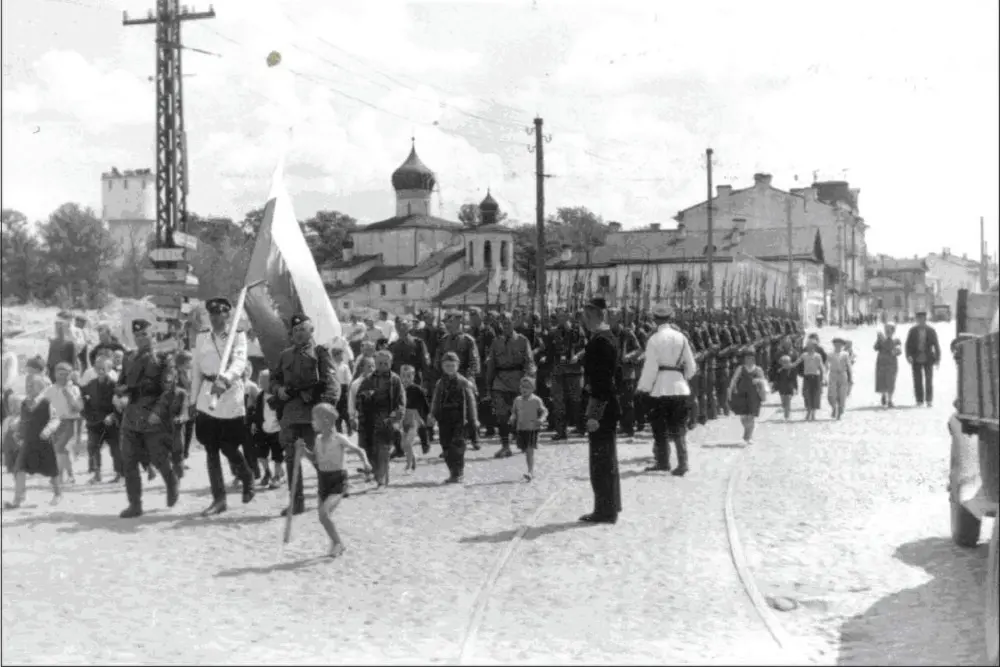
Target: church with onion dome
(416, 260)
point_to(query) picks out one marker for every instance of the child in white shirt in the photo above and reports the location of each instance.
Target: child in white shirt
(331, 476)
(526, 418)
(343, 375)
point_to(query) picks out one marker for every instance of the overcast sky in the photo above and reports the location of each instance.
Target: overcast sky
(899, 98)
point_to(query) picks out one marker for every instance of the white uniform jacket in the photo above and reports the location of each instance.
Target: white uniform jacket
(667, 347)
(207, 353)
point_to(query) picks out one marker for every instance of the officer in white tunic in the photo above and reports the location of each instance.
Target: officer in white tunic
(220, 430)
(669, 364)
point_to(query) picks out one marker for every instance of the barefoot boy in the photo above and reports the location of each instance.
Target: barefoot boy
(331, 476)
(526, 418)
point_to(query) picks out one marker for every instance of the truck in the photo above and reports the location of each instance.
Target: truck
(974, 476)
(941, 312)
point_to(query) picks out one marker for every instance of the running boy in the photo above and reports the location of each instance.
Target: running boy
(415, 416)
(331, 476)
(786, 383)
(453, 408)
(526, 417)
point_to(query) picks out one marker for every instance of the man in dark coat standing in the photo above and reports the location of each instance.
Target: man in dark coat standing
(924, 354)
(600, 368)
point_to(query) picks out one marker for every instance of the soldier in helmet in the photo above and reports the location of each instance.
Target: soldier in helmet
(509, 360)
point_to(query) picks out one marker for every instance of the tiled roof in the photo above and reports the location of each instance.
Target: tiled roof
(465, 283)
(488, 229)
(669, 247)
(434, 264)
(410, 222)
(892, 264)
(381, 273)
(883, 283)
(348, 263)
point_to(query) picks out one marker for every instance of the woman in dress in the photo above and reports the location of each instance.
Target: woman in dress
(745, 391)
(37, 455)
(888, 348)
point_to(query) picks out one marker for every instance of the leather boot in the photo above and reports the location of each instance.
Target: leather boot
(173, 490)
(131, 512)
(682, 457)
(217, 507)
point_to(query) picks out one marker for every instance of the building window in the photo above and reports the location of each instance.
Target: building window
(504, 261)
(503, 285)
(603, 282)
(402, 289)
(897, 301)
(110, 183)
(346, 305)
(145, 184)
(487, 254)
(682, 281)
(636, 281)
(126, 183)
(472, 255)
(382, 290)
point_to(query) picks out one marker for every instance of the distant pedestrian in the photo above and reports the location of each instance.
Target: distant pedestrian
(840, 378)
(923, 354)
(747, 391)
(526, 418)
(786, 383)
(888, 349)
(331, 476)
(812, 365)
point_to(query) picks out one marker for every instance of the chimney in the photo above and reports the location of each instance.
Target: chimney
(347, 253)
(654, 226)
(762, 179)
(723, 191)
(615, 226)
(681, 230)
(567, 253)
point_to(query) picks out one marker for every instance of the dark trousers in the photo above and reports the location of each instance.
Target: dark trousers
(188, 429)
(484, 406)
(343, 423)
(269, 444)
(223, 436)
(149, 446)
(99, 434)
(668, 418)
(567, 397)
(451, 431)
(722, 387)
(249, 451)
(923, 382)
(379, 443)
(289, 434)
(626, 399)
(604, 478)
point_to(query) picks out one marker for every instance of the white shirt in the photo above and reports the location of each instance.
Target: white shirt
(667, 347)
(60, 404)
(207, 355)
(352, 397)
(343, 373)
(269, 420)
(91, 373)
(9, 370)
(358, 331)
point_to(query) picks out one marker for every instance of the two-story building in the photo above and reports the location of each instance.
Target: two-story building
(649, 265)
(416, 260)
(128, 208)
(831, 207)
(954, 273)
(905, 288)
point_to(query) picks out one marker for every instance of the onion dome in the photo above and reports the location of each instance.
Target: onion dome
(489, 204)
(413, 174)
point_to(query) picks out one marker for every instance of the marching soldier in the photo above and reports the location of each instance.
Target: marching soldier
(147, 430)
(303, 377)
(381, 401)
(220, 430)
(600, 369)
(410, 350)
(628, 352)
(509, 360)
(466, 352)
(564, 345)
(484, 335)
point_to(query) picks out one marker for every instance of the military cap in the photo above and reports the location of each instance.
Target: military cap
(838, 339)
(597, 303)
(80, 320)
(35, 363)
(139, 325)
(452, 314)
(475, 311)
(921, 312)
(662, 311)
(450, 356)
(218, 306)
(64, 315)
(748, 352)
(299, 318)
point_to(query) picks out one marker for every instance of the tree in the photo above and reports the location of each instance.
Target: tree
(579, 228)
(22, 269)
(326, 233)
(470, 215)
(79, 252)
(224, 249)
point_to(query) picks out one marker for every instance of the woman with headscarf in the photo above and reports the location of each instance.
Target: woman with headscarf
(888, 347)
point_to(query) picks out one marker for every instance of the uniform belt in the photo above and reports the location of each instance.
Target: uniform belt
(210, 378)
(676, 369)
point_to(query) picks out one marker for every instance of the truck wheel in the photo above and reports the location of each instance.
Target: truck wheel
(992, 614)
(965, 526)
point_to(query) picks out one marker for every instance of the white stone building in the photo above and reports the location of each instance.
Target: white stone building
(415, 260)
(128, 208)
(953, 273)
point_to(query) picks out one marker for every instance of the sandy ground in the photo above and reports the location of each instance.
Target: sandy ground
(850, 520)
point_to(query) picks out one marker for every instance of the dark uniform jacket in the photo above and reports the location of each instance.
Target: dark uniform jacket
(465, 347)
(410, 351)
(600, 367)
(148, 381)
(454, 399)
(307, 373)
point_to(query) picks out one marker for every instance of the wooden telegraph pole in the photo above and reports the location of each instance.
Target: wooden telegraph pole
(710, 254)
(539, 149)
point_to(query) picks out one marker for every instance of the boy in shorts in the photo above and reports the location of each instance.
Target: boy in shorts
(526, 417)
(331, 476)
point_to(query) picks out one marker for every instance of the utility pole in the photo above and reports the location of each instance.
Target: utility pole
(854, 277)
(710, 297)
(540, 176)
(790, 287)
(171, 142)
(984, 272)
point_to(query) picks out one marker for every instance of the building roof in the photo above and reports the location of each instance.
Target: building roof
(357, 260)
(381, 274)
(468, 282)
(489, 203)
(488, 229)
(670, 246)
(883, 263)
(434, 264)
(883, 283)
(410, 222)
(413, 174)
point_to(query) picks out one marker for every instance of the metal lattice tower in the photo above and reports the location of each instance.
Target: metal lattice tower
(171, 140)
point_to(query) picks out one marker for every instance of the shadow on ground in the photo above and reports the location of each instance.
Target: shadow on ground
(269, 569)
(82, 523)
(533, 533)
(879, 408)
(936, 623)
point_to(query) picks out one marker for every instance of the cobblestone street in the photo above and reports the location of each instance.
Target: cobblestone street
(849, 521)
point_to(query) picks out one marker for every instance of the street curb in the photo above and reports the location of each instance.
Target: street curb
(771, 622)
(483, 598)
